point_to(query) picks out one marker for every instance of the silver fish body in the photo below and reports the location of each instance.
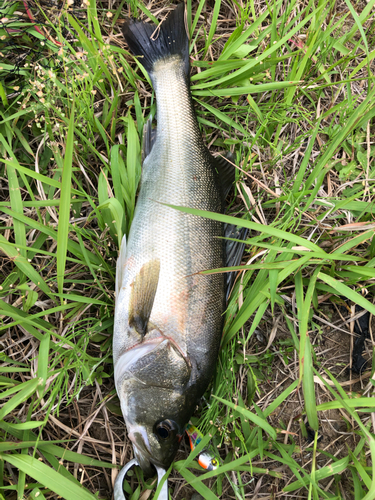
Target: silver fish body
(168, 318)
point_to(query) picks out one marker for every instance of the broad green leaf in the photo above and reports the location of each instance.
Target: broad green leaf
(347, 292)
(335, 468)
(117, 213)
(351, 403)
(24, 392)
(48, 477)
(23, 265)
(309, 388)
(260, 422)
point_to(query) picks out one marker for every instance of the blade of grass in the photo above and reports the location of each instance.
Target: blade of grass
(260, 422)
(23, 265)
(347, 292)
(48, 477)
(65, 200)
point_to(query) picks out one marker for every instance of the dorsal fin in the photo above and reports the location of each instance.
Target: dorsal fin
(233, 249)
(226, 169)
(143, 295)
(149, 137)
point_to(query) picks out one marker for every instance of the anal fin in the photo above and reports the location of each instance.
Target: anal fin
(143, 294)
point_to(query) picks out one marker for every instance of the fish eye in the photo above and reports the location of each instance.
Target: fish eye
(164, 429)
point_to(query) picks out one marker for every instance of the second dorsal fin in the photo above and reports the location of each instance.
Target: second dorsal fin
(226, 170)
(233, 252)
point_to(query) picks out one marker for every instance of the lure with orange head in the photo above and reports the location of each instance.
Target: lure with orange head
(205, 459)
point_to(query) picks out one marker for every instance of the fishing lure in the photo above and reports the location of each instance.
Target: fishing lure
(205, 459)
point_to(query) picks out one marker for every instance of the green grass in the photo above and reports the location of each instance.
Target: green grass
(289, 88)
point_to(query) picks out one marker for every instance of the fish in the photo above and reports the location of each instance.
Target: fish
(168, 317)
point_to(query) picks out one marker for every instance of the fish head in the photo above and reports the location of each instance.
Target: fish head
(155, 444)
(152, 380)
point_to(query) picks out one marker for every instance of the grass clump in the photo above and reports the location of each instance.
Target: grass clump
(289, 88)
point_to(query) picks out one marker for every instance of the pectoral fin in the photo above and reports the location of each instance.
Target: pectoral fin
(143, 295)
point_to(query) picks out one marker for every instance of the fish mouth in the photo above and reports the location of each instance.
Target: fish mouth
(142, 451)
(144, 461)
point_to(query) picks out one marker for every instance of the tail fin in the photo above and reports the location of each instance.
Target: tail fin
(152, 43)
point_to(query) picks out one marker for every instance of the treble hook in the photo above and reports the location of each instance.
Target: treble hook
(118, 490)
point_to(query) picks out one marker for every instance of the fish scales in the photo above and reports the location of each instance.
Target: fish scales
(178, 171)
(168, 319)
